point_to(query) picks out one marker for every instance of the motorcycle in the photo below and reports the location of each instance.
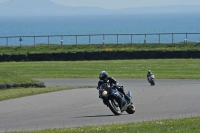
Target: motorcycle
(115, 100)
(151, 79)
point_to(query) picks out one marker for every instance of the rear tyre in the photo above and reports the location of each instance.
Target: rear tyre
(152, 82)
(113, 107)
(131, 109)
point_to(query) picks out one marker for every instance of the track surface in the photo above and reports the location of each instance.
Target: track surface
(81, 107)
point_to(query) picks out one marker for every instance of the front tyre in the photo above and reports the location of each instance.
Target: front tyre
(131, 109)
(113, 107)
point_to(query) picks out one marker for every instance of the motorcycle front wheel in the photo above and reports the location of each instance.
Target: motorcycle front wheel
(114, 107)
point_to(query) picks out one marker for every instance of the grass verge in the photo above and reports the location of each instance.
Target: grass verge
(22, 92)
(55, 48)
(186, 125)
(163, 69)
(23, 72)
(11, 77)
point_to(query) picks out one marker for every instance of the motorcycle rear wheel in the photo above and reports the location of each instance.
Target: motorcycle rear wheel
(131, 109)
(152, 82)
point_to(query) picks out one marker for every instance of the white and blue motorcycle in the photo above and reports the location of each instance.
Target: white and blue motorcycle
(151, 79)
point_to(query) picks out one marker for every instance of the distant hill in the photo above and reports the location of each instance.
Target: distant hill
(41, 7)
(163, 9)
(47, 7)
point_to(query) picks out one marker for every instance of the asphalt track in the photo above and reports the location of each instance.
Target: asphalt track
(81, 107)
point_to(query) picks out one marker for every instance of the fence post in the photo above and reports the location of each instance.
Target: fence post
(103, 39)
(6, 41)
(145, 39)
(172, 38)
(131, 39)
(34, 41)
(20, 40)
(117, 38)
(159, 38)
(186, 38)
(76, 40)
(61, 41)
(89, 39)
(48, 40)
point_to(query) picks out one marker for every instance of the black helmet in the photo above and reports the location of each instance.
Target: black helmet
(103, 75)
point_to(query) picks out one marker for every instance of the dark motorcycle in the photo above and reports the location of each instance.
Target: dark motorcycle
(151, 79)
(115, 100)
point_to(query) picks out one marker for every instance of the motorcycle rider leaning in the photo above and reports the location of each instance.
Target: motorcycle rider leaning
(148, 74)
(104, 78)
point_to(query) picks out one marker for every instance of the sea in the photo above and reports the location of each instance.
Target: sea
(99, 29)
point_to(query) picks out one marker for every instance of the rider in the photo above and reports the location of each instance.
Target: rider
(104, 78)
(148, 74)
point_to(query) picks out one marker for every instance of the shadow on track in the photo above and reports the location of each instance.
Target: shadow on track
(98, 116)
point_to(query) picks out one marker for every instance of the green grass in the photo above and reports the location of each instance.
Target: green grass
(55, 48)
(8, 77)
(186, 125)
(22, 92)
(163, 69)
(23, 72)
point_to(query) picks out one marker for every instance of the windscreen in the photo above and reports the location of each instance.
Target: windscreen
(104, 86)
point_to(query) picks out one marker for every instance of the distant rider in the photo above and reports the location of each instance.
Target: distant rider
(104, 78)
(148, 74)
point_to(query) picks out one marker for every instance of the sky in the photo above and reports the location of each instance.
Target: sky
(119, 4)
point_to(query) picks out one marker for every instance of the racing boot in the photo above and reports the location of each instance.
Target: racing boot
(129, 97)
